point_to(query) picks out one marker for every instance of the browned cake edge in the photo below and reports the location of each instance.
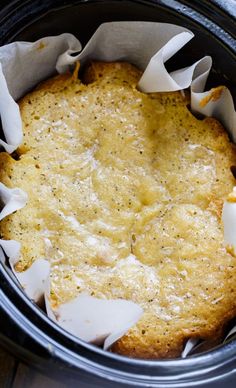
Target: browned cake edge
(129, 345)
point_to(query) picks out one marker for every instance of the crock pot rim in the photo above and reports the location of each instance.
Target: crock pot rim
(197, 13)
(223, 353)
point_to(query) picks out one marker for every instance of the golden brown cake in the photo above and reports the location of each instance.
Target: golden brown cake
(125, 197)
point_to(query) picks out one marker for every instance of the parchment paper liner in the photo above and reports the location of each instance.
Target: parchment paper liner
(148, 45)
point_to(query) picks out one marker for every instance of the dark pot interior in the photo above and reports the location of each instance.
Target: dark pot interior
(24, 328)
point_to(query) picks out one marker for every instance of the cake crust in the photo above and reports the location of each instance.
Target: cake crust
(125, 197)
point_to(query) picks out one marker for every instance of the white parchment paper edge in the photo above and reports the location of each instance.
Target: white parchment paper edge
(24, 64)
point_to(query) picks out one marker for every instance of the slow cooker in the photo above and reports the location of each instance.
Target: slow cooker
(25, 330)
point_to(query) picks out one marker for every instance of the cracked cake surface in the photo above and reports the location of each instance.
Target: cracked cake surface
(125, 198)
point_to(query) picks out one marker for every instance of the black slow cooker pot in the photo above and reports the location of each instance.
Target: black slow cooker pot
(24, 329)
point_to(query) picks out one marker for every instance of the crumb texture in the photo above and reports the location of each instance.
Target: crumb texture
(125, 197)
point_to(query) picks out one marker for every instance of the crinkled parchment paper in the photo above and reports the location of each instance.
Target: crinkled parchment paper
(148, 45)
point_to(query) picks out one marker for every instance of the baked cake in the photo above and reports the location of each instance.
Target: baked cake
(125, 198)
